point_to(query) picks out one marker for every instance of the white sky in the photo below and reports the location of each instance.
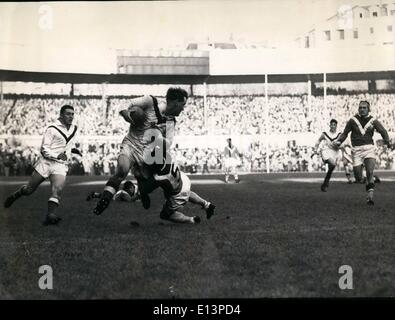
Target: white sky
(156, 24)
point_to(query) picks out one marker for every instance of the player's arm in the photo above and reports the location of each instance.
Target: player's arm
(142, 103)
(344, 134)
(46, 151)
(380, 128)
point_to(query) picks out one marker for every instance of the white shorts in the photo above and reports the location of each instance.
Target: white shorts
(327, 154)
(230, 164)
(180, 199)
(47, 167)
(360, 153)
(133, 151)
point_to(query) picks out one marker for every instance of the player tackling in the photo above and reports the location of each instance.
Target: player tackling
(56, 148)
(143, 114)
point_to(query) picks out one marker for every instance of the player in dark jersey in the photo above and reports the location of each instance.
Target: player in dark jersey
(362, 127)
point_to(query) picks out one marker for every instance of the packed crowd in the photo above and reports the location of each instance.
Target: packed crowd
(245, 115)
(101, 158)
(224, 115)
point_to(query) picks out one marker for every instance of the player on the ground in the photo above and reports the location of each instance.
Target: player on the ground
(177, 191)
(231, 159)
(362, 127)
(128, 192)
(56, 148)
(329, 152)
(143, 114)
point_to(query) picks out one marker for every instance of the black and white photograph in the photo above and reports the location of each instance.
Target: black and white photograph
(197, 151)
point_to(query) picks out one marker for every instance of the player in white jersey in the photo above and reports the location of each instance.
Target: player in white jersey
(231, 160)
(329, 153)
(57, 146)
(143, 114)
(177, 191)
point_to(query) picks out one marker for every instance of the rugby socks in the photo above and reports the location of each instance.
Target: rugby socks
(370, 192)
(111, 188)
(329, 174)
(53, 204)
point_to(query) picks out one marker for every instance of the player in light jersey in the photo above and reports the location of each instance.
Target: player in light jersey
(177, 191)
(143, 114)
(329, 152)
(231, 159)
(56, 147)
(362, 127)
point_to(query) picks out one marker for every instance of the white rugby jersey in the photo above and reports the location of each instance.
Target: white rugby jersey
(56, 140)
(329, 137)
(231, 152)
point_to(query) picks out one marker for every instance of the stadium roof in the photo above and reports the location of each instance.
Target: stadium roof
(50, 77)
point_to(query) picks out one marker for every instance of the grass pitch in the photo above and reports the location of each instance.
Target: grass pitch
(273, 235)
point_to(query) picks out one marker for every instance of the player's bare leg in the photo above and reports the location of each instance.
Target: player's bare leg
(226, 176)
(369, 165)
(331, 166)
(358, 173)
(35, 180)
(57, 184)
(206, 205)
(234, 172)
(113, 184)
(347, 170)
(177, 216)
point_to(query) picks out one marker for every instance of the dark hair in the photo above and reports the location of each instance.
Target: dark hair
(66, 106)
(333, 120)
(176, 93)
(364, 101)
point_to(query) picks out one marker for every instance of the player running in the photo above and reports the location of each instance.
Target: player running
(329, 152)
(362, 127)
(143, 114)
(231, 158)
(56, 148)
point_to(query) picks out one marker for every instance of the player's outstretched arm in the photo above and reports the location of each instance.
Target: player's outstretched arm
(343, 135)
(384, 134)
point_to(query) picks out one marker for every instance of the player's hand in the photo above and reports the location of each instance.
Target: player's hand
(336, 144)
(62, 156)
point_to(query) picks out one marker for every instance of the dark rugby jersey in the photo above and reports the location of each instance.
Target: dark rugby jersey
(362, 130)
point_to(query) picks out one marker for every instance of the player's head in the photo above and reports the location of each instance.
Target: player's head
(176, 99)
(67, 114)
(229, 140)
(333, 125)
(364, 108)
(129, 187)
(138, 115)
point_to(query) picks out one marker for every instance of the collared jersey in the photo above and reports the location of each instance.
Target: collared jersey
(362, 130)
(58, 139)
(329, 137)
